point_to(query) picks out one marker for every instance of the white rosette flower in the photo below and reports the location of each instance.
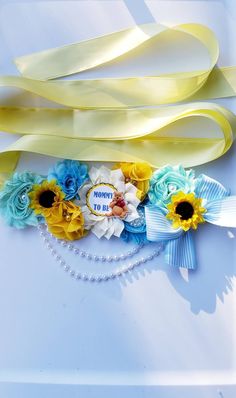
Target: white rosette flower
(102, 225)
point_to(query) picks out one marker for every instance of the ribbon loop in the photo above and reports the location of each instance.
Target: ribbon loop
(109, 120)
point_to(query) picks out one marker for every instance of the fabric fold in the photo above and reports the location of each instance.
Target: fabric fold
(108, 118)
(222, 212)
(181, 252)
(158, 227)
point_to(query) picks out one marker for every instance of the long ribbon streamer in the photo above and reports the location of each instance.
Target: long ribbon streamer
(123, 135)
(113, 130)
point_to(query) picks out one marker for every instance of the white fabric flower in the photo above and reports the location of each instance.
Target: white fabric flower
(102, 225)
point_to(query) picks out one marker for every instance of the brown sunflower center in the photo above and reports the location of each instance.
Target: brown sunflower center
(185, 210)
(46, 199)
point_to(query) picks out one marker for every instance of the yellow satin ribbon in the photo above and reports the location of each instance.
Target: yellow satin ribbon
(106, 122)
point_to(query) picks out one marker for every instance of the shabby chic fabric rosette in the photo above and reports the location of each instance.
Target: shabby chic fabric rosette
(97, 194)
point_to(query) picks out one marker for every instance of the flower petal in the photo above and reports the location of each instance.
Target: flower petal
(181, 252)
(100, 228)
(108, 227)
(82, 193)
(130, 188)
(158, 227)
(209, 189)
(222, 212)
(116, 175)
(99, 175)
(117, 227)
(132, 213)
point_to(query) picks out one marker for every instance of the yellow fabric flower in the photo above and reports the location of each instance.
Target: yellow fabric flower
(185, 210)
(138, 174)
(44, 196)
(66, 221)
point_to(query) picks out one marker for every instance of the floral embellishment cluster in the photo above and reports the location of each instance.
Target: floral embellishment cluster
(73, 200)
(129, 201)
(179, 203)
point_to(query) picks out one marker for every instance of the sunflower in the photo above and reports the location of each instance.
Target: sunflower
(44, 196)
(185, 211)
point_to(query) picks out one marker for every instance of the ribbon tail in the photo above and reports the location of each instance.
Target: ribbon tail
(181, 252)
(222, 212)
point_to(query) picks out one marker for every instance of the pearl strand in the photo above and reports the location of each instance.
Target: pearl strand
(90, 256)
(97, 277)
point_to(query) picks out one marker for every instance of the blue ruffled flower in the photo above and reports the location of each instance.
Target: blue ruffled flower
(70, 175)
(169, 180)
(218, 208)
(14, 200)
(135, 231)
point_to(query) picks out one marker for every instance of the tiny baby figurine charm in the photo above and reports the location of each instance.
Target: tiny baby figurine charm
(118, 206)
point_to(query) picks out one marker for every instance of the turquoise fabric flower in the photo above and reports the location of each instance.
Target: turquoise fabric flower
(169, 180)
(70, 175)
(14, 200)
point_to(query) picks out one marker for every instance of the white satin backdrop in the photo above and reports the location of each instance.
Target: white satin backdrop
(159, 332)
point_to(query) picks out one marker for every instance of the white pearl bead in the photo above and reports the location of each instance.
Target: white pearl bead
(94, 257)
(151, 257)
(172, 187)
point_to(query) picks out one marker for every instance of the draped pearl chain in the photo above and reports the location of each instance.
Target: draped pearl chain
(95, 277)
